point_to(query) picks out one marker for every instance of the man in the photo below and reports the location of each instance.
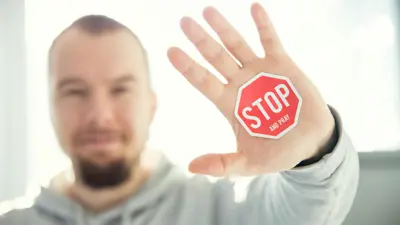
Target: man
(103, 105)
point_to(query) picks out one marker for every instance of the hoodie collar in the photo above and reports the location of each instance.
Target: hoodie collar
(164, 178)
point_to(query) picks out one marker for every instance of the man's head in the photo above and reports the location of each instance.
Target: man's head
(101, 100)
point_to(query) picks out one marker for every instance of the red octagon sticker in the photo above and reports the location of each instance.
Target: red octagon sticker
(268, 106)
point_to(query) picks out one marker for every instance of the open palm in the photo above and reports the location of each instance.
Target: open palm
(254, 155)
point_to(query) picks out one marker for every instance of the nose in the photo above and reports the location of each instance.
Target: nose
(100, 110)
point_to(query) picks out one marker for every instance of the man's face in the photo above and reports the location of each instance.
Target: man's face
(102, 105)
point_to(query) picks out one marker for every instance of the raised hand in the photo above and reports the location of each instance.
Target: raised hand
(254, 155)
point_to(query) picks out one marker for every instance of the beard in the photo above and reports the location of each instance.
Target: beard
(104, 176)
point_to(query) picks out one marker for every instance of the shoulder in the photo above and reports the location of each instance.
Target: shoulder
(17, 211)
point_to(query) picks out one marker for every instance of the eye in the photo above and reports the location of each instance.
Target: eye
(75, 92)
(120, 90)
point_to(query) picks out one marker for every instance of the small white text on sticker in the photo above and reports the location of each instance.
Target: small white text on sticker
(280, 122)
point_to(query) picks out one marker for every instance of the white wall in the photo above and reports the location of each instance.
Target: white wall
(2, 106)
(13, 124)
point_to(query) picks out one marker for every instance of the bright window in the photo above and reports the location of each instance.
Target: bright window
(348, 48)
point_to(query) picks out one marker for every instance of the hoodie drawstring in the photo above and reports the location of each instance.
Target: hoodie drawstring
(80, 217)
(126, 217)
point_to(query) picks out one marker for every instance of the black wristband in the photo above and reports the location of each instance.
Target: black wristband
(328, 148)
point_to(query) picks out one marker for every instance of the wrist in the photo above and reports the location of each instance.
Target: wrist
(326, 146)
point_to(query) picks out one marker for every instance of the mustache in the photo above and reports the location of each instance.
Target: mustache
(94, 134)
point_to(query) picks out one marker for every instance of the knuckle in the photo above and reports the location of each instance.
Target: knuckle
(214, 57)
(268, 42)
(190, 69)
(202, 79)
(233, 40)
(236, 45)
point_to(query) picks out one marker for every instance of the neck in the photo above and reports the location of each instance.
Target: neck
(97, 200)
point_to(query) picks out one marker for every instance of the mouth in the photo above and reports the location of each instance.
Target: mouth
(100, 143)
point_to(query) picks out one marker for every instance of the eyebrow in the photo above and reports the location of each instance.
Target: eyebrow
(69, 81)
(125, 78)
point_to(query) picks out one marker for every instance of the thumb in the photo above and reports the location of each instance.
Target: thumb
(218, 164)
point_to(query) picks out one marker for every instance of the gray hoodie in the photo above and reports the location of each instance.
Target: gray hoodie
(320, 194)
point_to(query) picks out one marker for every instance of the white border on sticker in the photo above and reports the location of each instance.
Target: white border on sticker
(239, 95)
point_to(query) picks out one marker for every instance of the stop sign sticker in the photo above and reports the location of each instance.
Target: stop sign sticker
(268, 106)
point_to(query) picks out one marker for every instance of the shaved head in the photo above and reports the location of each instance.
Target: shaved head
(96, 25)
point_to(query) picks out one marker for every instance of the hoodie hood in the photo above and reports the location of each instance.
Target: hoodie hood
(164, 179)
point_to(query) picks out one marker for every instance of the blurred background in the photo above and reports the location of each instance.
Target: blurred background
(350, 49)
